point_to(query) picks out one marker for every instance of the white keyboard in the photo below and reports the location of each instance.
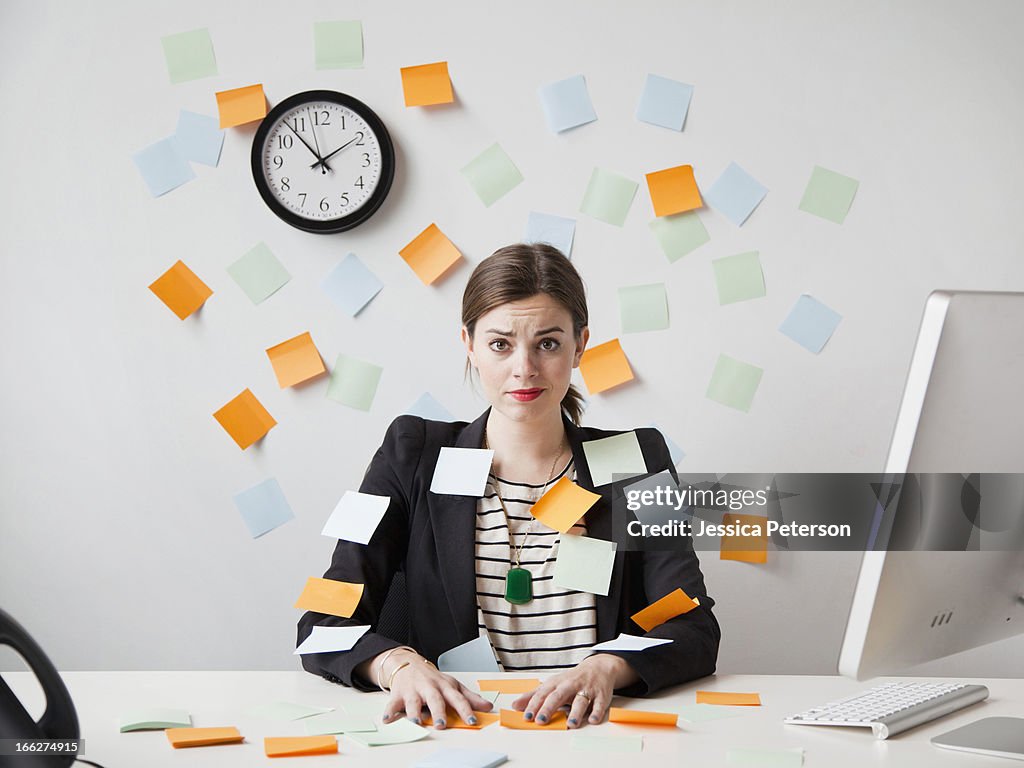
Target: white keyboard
(894, 707)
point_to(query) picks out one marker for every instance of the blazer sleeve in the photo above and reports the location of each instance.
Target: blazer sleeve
(374, 564)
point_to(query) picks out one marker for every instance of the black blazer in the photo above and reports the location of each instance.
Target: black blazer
(431, 538)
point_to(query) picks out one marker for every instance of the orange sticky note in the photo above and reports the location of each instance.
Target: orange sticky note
(675, 603)
(181, 290)
(673, 190)
(338, 598)
(640, 717)
(296, 360)
(511, 718)
(452, 720)
(729, 699)
(747, 546)
(430, 254)
(563, 505)
(514, 685)
(202, 737)
(427, 84)
(245, 419)
(605, 366)
(294, 746)
(241, 105)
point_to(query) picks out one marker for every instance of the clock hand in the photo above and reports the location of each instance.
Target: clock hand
(324, 167)
(306, 144)
(327, 157)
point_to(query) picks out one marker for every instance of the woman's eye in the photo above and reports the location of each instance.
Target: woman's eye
(498, 345)
(549, 344)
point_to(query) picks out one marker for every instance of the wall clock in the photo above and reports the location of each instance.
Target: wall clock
(323, 161)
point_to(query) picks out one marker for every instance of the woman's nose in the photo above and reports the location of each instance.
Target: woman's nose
(524, 366)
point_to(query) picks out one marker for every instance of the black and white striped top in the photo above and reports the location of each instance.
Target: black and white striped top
(557, 628)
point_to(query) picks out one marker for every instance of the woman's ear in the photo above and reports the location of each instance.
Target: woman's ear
(581, 345)
(467, 339)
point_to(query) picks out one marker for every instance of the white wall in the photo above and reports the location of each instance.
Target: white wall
(119, 543)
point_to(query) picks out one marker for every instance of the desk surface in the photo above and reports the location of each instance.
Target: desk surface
(221, 698)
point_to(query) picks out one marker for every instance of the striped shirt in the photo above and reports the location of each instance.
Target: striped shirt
(557, 628)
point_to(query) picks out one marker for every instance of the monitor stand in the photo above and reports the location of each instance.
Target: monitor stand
(996, 736)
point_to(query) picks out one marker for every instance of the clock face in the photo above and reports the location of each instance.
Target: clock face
(323, 161)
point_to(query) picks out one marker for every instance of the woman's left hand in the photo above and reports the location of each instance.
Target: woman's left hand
(587, 687)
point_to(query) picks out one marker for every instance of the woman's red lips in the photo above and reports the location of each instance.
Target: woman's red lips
(524, 395)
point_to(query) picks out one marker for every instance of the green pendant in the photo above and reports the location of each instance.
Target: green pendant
(518, 586)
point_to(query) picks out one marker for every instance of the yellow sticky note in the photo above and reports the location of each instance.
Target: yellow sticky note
(427, 84)
(511, 718)
(745, 548)
(294, 746)
(724, 698)
(337, 598)
(640, 717)
(514, 685)
(674, 190)
(296, 360)
(241, 105)
(181, 290)
(563, 505)
(430, 254)
(605, 366)
(202, 737)
(675, 603)
(245, 419)
(452, 720)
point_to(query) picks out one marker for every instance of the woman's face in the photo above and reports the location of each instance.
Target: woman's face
(524, 352)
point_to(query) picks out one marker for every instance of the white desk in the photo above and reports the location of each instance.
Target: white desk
(220, 698)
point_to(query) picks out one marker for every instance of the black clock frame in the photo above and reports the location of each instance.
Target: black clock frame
(354, 219)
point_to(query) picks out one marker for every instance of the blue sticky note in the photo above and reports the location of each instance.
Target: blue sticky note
(263, 507)
(566, 103)
(427, 407)
(664, 102)
(736, 194)
(553, 230)
(677, 453)
(351, 285)
(199, 137)
(810, 323)
(163, 167)
(474, 656)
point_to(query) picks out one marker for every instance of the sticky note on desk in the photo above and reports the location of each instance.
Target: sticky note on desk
(641, 717)
(202, 737)
(296, 360)
(729, 699)
(584, 564)
(510, 685)
(614, 458)
(356, 517)
(331, 639)
(295, 746)
(673, 190)
(336, 598)
(626, 642)
(735, 194)
(181, 290)
(605, 366)
(401, 731)
(566, 104)
(241, 105)
(475, 656)
(245, 419)
(810, 323)
(263, 507)
(461, 471)
(189, 55)
(427, 84)
(259, 273)
(664, 102)
(285, 710)
(154, 719)
(330, 723)
(354, 382)
(452, 720)
(765, 758)
(563, 504)
(679, 234)
(338, 44)
(675, 603)
(746, 549)
(454, 757)
(163, 167)
(511, 718)
(734, 383)
(829, 194)
(430, 254)
(492, 174)
(351, 285)
(739, 277)
(608, 197)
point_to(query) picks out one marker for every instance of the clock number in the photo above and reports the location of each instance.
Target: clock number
(344, 198)
(359, 182)
(286, 183)
(359, 141)
(300, 124)
(324, 205)
(303, 196)
(278, 161)
(284, 141)
(326, 117)
(366, 159)
(343, 122)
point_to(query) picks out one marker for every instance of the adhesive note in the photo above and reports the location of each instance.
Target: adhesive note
(427, 407)
(680, 234)
(829, 194)
(605, 366)
(181, 290)
(351, 285)
(641, 717)
(735, 194)
(202, 737)
(729, 699)
(702, 713)
(241, 105)
(643, 308)
(677, 453)
(474, 656)
(331, 639)
(614, 458)
(430, 254)
(734, 383)
(452, 720)
(295, 746)
(553, 230)
(338, 44)
(584, 564)
(402, 731)
(356, 516)
(163, 167)
(461, 471)
(245, 419)
(510, 685)
(263, 507)
(626, 642)
(738, 277)
(330, 723)
(491, 696)
(189, 55)
(765, 758)
(673, 190)
(608, 197)
(427, 84)
(354, 382)
(199, 138)
(675, 603)
(336, 598)
(810, 323)
(664, 102)
(154, 719)
(566, 104)
(585, 742)
(454, 757)
(296, 360)
(563, 504)
(746, 549)
(492, 174)
(511, 718)
(259, 273)
(285, 710)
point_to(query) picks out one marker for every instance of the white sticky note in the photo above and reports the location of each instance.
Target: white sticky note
(331, 639)
(626, 642)
(286, 710)
(462, 471)
(614, 458)
(584, 564)
(331, 723)
(356, 517)
(455, 757)
(474, 656)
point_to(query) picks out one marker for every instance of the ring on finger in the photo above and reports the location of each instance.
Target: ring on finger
(585, 695)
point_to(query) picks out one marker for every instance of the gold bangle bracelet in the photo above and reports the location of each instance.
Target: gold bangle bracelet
(398, 669)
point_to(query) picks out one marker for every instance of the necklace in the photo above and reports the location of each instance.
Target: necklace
(518, 580)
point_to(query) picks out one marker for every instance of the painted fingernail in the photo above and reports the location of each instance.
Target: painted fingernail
(441, 724)
(528, 716)
(386, 716)
(542, 718)
(472, 720)
(594, 720)
(416, 720)
(573, 721)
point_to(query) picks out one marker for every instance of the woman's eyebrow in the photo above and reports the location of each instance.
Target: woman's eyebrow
(553, 329)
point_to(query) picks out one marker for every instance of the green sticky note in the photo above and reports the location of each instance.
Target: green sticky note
(286, 710)
(608, 197)
(765, 758)
(354, 382)
(585, 742)
(679, 234)
(338, 44)
(643, 308)
(584, 564)
(738, 277)
(189, 55)
(491, 696)
(259, 273)
(154, 719)
(491, 174)
(331, 723)
(829, 194)
(734, 383)
(399, 732)
(614, 458)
